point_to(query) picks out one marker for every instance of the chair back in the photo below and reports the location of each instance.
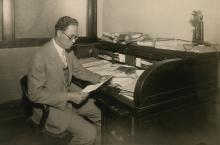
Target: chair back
(25, 101)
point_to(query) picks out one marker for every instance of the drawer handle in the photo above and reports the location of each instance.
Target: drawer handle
(116, 136)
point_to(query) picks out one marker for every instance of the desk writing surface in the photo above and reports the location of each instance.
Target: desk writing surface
(124, 77)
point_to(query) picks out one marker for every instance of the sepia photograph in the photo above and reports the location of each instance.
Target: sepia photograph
(109, 72)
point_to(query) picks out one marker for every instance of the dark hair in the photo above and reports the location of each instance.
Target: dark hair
(64, 22)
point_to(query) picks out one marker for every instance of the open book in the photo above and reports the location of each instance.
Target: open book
(91, 88)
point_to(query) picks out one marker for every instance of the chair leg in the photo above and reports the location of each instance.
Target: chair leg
(43, 120)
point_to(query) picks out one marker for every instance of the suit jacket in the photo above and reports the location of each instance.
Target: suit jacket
(47, 85)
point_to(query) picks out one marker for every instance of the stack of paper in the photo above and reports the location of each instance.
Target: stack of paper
(170, 44)
(175, 44)
(146, 43)
(95, 63)
(123, 80)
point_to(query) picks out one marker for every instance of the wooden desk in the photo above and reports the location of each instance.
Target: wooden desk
(178, 88)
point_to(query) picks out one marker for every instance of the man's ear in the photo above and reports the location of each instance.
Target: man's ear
(59, 33)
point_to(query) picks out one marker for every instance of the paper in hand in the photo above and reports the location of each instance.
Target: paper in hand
(91, 88)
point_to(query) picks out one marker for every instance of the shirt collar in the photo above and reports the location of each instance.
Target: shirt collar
(58, 48)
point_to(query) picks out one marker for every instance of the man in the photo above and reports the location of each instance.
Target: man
(49, 82)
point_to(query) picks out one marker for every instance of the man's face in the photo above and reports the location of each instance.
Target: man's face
(68, 37)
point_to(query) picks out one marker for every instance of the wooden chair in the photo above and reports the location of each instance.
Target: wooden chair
(28, 107)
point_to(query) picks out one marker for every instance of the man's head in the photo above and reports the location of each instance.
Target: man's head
(66, 32)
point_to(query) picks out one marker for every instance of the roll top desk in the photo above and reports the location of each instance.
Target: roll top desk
(174, 88)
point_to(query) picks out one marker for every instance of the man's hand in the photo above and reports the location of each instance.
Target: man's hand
(77, 97)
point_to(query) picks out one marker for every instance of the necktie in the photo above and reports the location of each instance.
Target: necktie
(64, 58)
(65, 69)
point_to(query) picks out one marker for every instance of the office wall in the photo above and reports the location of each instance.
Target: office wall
(36, 18)
(1, 18)
(160, 18)
(99, 17)
(33, 19)
(14, 64)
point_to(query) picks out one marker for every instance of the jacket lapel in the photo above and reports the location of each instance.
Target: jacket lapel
(57, 62)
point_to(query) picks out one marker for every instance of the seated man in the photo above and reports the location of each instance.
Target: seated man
(49, 82)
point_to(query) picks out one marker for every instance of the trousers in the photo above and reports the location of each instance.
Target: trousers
(85, 124)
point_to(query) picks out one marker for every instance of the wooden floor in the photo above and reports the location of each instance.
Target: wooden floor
(15, 129)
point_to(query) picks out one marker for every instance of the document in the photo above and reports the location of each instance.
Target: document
(95, 63)
(91, 88)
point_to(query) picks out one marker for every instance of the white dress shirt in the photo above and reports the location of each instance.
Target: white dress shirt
(61, 52)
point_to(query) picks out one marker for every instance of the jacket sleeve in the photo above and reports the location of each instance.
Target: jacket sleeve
(38, 91)
(82, 73)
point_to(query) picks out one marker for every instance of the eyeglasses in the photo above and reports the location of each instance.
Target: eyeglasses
(72, 37)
